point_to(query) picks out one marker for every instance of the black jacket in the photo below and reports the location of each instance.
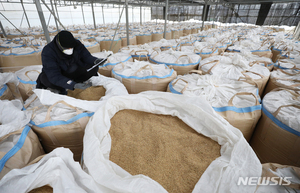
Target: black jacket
(57, 65)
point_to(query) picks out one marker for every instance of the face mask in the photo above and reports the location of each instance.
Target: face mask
(68, 51)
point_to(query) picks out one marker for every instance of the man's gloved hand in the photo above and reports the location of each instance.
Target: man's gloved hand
(83, 86)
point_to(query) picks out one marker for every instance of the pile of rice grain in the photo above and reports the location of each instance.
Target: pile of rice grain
(161, 147)
(43, 189)
(93, 93)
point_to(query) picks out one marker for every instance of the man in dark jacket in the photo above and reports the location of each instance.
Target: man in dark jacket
(66, 64)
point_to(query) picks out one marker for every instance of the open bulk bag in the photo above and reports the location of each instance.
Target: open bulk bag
(9, 87)
(279, 178)
(16, 58)
(181, 62)
(236, 101)
(18, 143)
(277, 135)
(59, 125)
(112, 88)
(27, 79)
(114, 59)
(288, 79)
(143, 76)
(143, 38)
(56, 170)
(236, 154)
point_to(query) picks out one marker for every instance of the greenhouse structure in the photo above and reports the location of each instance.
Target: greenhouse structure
(150, 96)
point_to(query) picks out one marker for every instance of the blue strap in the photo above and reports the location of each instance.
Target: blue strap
(16, 148)
(172, 88)
(279, 123)
(55, 123)
(238, 110)
(26, 82)
(3, 89)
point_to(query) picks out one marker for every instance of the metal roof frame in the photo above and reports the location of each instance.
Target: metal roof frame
(125, 3)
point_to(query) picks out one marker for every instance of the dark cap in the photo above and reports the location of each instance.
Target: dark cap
(66, 39)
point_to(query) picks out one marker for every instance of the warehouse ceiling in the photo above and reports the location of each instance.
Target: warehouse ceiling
(152, 3)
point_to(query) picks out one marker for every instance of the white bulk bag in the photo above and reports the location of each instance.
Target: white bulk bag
(141, 76)
(236, 101)
(289, 79)
(277, 135)
(12, 118)
(112, 86)
(236, 154)
(287, 64)
(236, 67)
(27, 77)
(57, 169)
(114, 59)
(181, 62)
(9, 87)
(255, 47)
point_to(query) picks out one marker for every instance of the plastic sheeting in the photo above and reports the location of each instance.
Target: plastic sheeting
(58, 169)
(237, 157)
(12, 118)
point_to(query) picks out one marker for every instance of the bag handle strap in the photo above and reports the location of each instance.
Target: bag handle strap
(244, 73)
(184, 88)
(288, 79)
(157, 53)
(248, 80)
(290, 74)
(48, 118)
(294, 93)
(287, 62)
(196, 49)
(279, 108)
(243, 93)
(141, 51)
(259, 61)
(195, 71)
(26, 73)
(214, 61)
(190, 60)
(143, 68)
